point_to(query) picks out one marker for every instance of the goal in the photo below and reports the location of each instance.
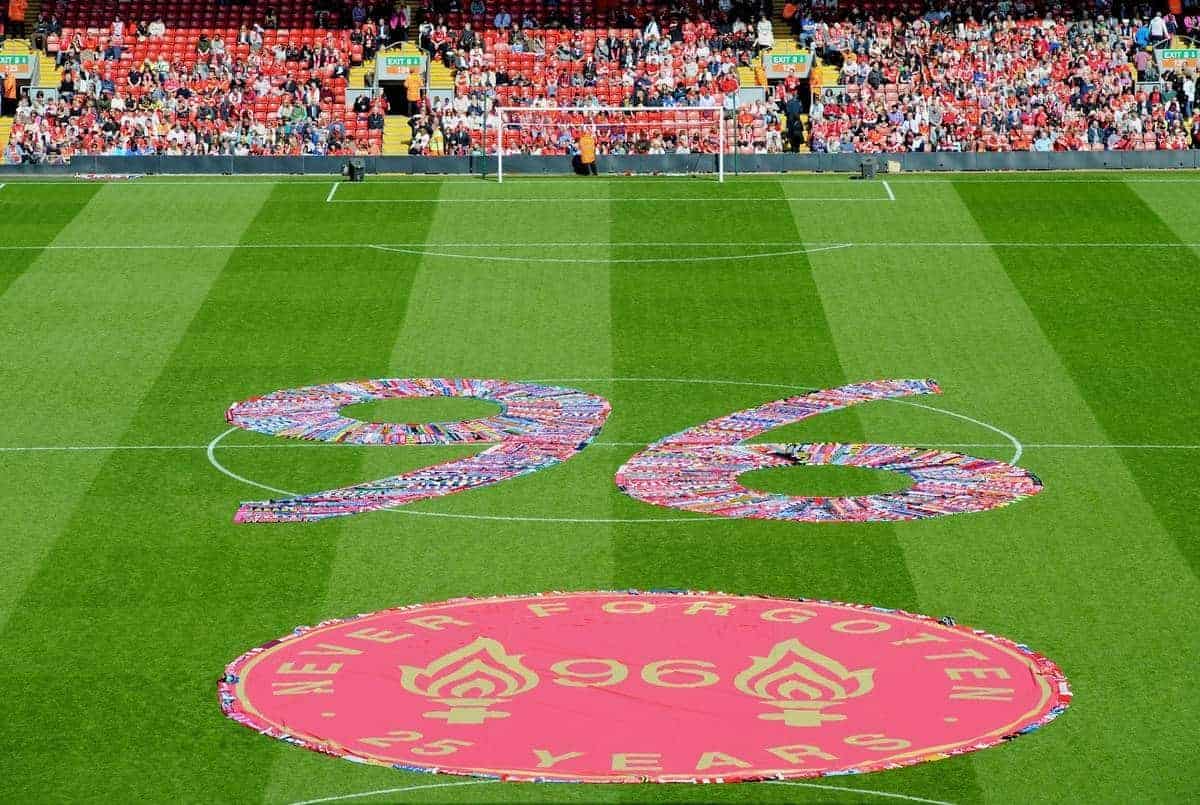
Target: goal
(685, 139)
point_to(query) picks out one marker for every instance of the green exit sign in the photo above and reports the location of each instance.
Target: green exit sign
(778, 65)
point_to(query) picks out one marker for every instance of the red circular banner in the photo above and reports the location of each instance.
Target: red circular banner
(634, 687)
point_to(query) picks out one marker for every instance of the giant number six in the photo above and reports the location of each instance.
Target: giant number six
(697, 470)
(694, 470)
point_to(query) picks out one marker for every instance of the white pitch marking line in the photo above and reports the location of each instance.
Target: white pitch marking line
(332, 190)
(820, 786)
(889, 244)
(1013, 440)
(658, 520)
(886, 794)
(212, 459)
(382, 791)
(588, 199)
(749, 179)
(605, 260)
(888, 188)
(102, 448)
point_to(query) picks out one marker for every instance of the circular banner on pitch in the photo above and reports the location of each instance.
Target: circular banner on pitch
(629, 687)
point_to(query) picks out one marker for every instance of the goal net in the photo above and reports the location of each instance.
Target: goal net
(686, 139)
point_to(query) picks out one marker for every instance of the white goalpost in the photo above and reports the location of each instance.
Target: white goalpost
(696, 131)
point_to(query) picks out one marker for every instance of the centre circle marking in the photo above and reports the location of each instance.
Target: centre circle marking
(630, 687)
(695, 520)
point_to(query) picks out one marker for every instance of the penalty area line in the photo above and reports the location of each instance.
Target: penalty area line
(888, 188)
(332, 190)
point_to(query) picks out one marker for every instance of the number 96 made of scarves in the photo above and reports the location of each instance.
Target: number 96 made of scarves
(695, 470)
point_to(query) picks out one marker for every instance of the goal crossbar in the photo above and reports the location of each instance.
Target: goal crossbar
(624, 115)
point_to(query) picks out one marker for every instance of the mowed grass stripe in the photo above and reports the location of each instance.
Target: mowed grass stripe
(36, 492)
(83, 344)
(151, 588)
(1068, 571)
(35, 222)
(758, 321)
(843, 314)
(468, 318)
(1124, 325)
(1156, 299)
(907, 313)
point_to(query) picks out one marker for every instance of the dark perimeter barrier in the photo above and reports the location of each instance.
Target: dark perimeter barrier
(614, 165)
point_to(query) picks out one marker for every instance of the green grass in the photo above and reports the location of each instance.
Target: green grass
(1057, 308)
(825, 481)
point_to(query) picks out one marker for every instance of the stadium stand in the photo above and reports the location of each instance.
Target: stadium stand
(263, 77)
(1033, 84)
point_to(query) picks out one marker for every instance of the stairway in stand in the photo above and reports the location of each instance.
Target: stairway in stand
(358, 74)
(12, 47)
(440, 76)
(48, 73)
(15, 47)
(784, 41)
(32, 10)
(397, 134)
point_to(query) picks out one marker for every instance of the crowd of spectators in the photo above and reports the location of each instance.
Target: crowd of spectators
(1001, 84)
(993, 77)
(960, 77)
(143, 89)
(673, 64)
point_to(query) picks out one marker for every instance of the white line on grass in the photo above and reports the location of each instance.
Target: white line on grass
(888, 244)
(288, 444)
(1003, 180)
(1012, 440)
(590, 199)
(212, 459)
(749, 179)
(211, 453)
(332, 190)
(888, 188)
(269, 446)
(605, 260)
(379, 792)
(847, 789)
(383, 791)
(585, 199)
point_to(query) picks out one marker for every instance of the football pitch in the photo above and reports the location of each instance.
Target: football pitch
(1057, 313)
